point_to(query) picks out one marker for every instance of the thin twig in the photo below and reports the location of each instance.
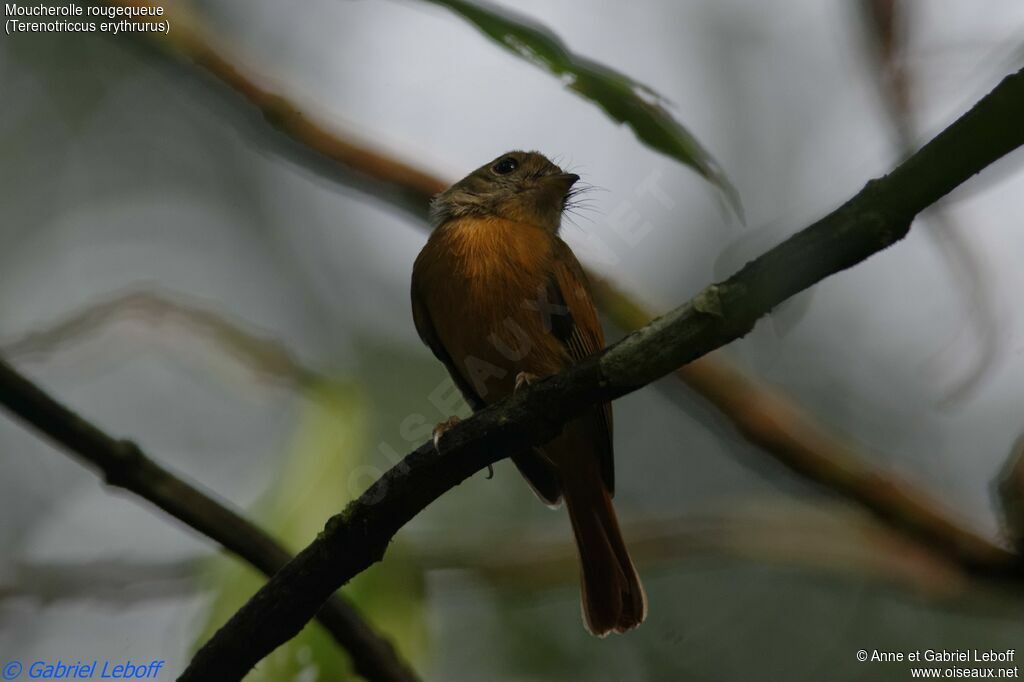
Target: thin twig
(260, 353)
(124, 465)
(318, 147)
(109, 580)
(778, 425)
(874, 219)
(831, 538)
(886, 21)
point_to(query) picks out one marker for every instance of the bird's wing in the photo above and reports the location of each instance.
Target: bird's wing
(425, 328)
(579, 330)
(536, 468)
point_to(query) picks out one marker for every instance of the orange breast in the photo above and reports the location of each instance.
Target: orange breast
(485, 285)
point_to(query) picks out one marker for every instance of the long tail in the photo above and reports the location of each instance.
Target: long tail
(613, 598)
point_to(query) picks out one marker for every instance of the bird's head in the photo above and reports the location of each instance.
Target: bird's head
(520, 186)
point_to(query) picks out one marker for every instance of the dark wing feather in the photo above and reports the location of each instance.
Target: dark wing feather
(575, 323)
(425, 328)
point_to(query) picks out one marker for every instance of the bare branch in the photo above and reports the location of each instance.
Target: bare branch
(874, 219)
(832, 538)
(309, 143)
(124, 465)
(771, 420)
(118, 581)
(267, 356)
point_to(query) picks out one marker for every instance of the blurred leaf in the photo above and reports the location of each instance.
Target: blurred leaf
(1011, 495)
(329, 444)
(622, 98)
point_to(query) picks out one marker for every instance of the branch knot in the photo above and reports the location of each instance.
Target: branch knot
(709, 302)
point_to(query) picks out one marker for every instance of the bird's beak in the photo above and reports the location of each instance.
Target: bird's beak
(563, 180)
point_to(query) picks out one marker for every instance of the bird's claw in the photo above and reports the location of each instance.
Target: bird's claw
(524, 379)
(442, 428)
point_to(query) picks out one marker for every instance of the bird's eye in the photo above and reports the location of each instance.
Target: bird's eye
(505, 166)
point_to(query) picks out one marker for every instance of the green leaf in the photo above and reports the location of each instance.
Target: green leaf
(622, 98)
(330, 442)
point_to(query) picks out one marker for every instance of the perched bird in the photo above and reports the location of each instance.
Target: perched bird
(501, 300)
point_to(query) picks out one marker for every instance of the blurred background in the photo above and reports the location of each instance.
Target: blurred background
(182, 275)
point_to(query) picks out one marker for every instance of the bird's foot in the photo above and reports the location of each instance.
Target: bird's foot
(442, 428)
(524, 379)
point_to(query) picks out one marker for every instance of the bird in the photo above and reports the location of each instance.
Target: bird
(501, 300)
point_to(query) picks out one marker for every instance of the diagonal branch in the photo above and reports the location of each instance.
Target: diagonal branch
(804, 447)
(831, 538)
(124, 465)
(262, 354)
(309, 143)
(778, 425)
(874, 219)
(791, 435)
(112, 580)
